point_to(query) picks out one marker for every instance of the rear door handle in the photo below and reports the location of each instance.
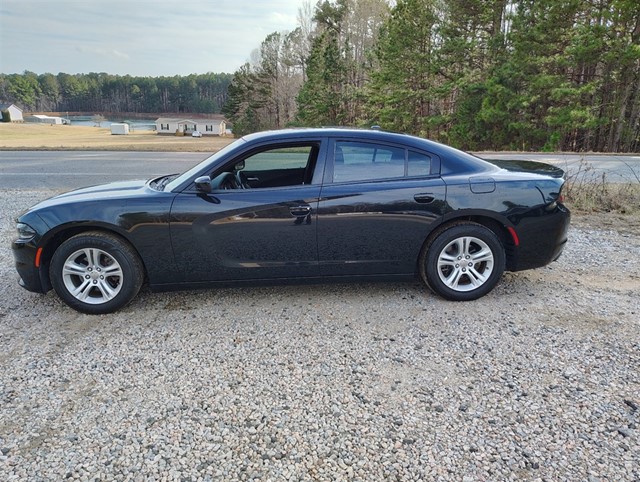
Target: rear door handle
(300, 211)
(424, 198)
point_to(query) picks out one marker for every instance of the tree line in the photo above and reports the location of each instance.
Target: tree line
(478, 74)
(101, 92)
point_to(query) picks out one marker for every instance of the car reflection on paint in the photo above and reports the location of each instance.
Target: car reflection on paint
(305, 205)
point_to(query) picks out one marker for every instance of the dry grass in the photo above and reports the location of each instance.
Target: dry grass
(587, 191)
(61, 137)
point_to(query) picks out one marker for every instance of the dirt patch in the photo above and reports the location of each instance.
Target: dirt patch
(625, 224)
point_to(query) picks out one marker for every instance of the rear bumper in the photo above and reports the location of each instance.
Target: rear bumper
(24, 255)
(542, 239)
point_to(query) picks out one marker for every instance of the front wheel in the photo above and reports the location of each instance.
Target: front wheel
(96, 272)
(464, 262)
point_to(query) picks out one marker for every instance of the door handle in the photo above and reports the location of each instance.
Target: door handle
(300, 211)
(424, 198)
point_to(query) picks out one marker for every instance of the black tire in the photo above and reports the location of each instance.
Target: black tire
(96, 272)
(463, 262)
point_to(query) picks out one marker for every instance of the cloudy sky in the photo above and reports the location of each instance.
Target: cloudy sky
(137, 37)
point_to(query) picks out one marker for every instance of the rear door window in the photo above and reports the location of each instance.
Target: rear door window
(363, 161)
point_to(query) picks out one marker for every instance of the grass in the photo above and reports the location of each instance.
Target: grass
(587, 191)
(64, 137)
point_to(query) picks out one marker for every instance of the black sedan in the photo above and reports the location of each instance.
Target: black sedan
(302, 205)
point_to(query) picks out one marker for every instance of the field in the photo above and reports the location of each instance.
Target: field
(64, 137)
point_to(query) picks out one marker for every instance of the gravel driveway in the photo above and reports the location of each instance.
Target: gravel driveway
(539, 380)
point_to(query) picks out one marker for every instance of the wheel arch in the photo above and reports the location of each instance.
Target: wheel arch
(499, 226)
(55, 239)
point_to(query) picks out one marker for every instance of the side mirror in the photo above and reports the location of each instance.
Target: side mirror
(203, 184)
(239, 166)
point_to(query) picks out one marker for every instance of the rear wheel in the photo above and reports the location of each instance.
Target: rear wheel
(463, 262)
(96, 272)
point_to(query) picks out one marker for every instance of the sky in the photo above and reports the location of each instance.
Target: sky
(137, 37)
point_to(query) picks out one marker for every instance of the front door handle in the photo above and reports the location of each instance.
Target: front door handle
(424, 198)
(300, 211)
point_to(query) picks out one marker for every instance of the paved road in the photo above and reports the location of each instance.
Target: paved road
(73, 169)
(616, 168)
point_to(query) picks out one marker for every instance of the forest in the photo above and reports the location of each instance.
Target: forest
(104, 93)
(477, 74)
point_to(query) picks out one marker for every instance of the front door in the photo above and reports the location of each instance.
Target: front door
(260, 226)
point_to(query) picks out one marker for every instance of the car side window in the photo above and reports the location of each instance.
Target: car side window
(363, 161)
(279, 158)
(418, 164)
(278, 166)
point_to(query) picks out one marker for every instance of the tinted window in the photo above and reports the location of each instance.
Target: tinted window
(418, 164)
(278, 166)
(280, 158)
(361, 161)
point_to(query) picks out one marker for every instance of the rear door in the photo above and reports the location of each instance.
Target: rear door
(377, 205)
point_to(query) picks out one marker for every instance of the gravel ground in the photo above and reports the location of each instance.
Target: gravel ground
(537, 381)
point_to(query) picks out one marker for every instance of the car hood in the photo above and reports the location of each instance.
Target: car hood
(107, 190)
(532, 167)
(102, 192)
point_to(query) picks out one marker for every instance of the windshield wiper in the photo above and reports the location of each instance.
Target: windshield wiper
(161, 182)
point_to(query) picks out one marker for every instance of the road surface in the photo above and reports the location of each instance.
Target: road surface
(72, 169)
(614, 167)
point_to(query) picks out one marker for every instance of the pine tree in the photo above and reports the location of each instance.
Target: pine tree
(402, 91)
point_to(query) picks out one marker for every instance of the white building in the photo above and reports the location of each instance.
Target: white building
(209, 126)
(45, 119)
(10, 113)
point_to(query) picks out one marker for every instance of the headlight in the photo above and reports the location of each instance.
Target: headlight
(25, 232)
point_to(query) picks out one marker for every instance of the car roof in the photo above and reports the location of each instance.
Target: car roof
(456, 157)
(344, 132)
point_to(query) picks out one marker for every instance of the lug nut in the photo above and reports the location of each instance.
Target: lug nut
(87, 276)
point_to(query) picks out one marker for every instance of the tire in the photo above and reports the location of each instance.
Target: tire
(463, 262)
(96, 272)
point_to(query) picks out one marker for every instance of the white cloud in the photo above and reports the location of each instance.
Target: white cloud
(279, 18)
(103, 51)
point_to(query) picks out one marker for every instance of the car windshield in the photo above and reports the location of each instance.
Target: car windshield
(198, 167)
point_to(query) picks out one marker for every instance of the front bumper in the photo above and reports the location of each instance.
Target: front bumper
(24, 254)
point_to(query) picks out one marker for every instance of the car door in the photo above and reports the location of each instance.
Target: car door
(377, 206)
(264, 229)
